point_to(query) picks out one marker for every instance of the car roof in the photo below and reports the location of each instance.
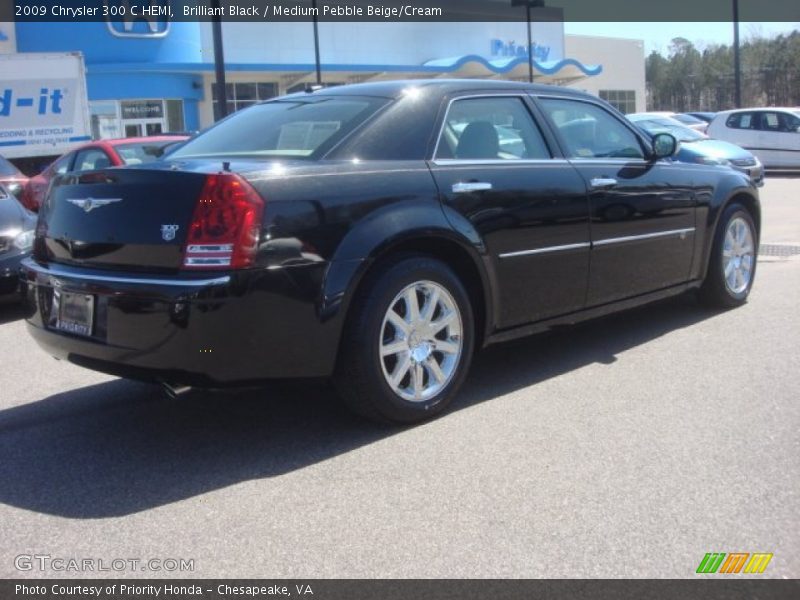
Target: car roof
(143, 140)
(395, 88)
(654, 113)
(778, 108)
(645, 116)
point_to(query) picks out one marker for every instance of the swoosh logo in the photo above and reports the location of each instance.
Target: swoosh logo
(89, 204)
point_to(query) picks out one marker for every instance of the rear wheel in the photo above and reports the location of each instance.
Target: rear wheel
(732, 265)
(408, 345)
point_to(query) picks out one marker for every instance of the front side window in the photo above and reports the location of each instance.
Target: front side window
(770, 122)
(778, 122)
(489, 129)
(299, 127)
(589, 131)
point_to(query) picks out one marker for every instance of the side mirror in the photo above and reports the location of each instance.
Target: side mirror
(664, 145)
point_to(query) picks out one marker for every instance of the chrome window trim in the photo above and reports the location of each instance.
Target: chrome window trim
(546, 250)
(616, 160)
(645, 236)
(59, 273)
(521, 95)
(449, 162)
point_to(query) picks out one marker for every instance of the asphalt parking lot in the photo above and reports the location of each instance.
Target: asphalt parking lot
(626, 447)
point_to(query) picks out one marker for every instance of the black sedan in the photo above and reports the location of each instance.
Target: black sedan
(379, 234)
(16, 239)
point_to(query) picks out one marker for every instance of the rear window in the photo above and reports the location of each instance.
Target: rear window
(295, 127)
(6, 168)
(143, 152)
(686, 119)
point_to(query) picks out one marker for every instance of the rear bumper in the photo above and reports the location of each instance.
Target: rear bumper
(218, 331)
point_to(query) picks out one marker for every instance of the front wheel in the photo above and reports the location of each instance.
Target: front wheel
(732, 265)
(408, 345)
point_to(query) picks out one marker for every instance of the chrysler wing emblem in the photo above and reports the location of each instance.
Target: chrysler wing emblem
(89, 204)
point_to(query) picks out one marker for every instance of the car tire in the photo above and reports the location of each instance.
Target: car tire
(408, 343)
(732, 264)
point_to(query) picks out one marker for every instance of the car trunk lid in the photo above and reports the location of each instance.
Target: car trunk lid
(135, 219)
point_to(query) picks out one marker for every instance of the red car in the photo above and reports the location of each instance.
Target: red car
(12, 179)
(99, 155)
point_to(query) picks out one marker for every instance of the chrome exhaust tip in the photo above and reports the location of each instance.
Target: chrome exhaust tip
(173, 391)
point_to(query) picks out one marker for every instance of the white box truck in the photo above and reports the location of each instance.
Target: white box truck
(44, 109)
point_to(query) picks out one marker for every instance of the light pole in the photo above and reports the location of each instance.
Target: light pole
(316, 43)
(219, 60)
(737, 63)
(528, 4)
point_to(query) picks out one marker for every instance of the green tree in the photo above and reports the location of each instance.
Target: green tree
(688, 79)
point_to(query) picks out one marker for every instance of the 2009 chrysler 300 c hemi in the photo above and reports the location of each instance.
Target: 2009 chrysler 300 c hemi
(379, 234)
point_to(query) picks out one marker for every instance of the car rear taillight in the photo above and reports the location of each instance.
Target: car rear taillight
(225, 226)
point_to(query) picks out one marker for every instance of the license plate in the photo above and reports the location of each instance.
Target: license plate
(75, 312)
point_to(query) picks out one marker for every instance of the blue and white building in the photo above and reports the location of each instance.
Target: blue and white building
(144, 78)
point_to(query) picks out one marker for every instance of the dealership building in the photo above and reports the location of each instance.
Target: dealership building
(150, 77)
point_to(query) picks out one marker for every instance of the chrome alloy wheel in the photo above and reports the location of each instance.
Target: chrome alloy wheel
(738, 255)
(421, 341)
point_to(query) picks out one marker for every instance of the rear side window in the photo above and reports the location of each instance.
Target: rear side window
(61, 166)
(743, 120)
(297, 127)
(589, 131)
(91, 158)
(489, 129)
(136, 154)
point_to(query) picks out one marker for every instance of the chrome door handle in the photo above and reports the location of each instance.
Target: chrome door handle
(601, 183)
(471, 186)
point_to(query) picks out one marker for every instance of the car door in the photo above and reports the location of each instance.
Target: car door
(737, 128)
(779, 133)
(790, 146)
(495, 170)
(642, 211)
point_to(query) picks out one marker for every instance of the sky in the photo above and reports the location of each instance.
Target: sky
(657, 36)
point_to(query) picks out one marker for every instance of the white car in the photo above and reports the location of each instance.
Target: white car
(772, 134)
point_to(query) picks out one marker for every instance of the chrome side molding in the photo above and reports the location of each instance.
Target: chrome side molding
(682, 233)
